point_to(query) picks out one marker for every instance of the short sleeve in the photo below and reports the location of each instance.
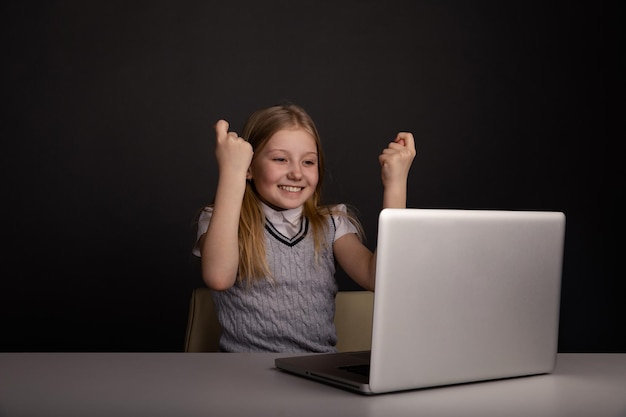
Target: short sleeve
(203, 224)
(343, 225)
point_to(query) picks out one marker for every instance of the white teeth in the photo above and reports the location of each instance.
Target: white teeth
(290, 189)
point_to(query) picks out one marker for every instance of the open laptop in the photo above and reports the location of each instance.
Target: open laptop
(461, 296)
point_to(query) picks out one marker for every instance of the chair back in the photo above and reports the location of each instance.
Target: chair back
(203, 327)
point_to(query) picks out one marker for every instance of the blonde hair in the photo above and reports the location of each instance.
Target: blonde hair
(257, 130)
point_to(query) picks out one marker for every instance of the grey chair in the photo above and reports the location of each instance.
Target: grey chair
(353, 321)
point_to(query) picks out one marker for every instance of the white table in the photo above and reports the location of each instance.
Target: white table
(220, 384)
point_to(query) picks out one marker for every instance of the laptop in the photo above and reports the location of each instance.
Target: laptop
(461, 296)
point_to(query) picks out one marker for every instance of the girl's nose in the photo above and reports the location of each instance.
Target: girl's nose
(295, 173)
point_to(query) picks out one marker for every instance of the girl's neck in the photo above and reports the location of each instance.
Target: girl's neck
(286, 212)
(273, 207)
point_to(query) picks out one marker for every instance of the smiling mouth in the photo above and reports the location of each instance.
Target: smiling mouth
(290, 189)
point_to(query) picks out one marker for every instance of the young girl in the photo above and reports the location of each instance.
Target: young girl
(267, 245)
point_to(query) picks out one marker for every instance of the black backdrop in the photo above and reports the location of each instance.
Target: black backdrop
(108, 142)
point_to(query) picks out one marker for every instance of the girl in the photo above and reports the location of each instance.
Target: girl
(267, 245)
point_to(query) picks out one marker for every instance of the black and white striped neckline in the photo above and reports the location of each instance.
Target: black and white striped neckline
(289, 241)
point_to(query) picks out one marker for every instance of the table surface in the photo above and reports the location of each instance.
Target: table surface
(226, 384)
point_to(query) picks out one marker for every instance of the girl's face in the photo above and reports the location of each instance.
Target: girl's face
(285, 170)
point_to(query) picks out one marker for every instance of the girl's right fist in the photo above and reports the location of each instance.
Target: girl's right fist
(232, 152)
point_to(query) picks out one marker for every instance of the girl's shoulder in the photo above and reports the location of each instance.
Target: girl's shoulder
(342, 212)
(205, 213)
(335, 211)
(345, 219)
(340, 209)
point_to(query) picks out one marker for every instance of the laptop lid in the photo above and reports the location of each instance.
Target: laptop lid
(461, 296)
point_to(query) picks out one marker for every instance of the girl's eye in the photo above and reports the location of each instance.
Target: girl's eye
(309, 163)
(280, 159)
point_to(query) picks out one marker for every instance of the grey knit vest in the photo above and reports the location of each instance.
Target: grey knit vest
(295, 312)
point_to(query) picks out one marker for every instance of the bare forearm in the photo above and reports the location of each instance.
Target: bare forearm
(356, 260)
(394, 196)
(219, 247)
(372, 272)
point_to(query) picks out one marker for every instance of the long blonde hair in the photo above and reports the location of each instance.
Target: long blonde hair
(257, 130)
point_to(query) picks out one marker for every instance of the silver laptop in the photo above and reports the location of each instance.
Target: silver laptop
(461, 296)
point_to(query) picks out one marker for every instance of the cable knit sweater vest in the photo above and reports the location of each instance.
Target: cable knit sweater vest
(293, 313)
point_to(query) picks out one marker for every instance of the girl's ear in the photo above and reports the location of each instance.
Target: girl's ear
(249, 174)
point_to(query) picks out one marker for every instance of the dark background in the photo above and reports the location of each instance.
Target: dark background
(108, 109)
